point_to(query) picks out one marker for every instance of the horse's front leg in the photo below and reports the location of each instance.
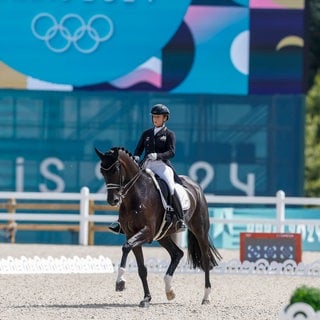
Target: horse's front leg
(121, 281)
(134, 243)
(142, 270)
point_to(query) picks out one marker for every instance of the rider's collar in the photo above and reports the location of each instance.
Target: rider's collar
(157, 129)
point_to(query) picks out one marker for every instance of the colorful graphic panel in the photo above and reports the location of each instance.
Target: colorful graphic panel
(277, 4)
(200, 46)
(275, 51)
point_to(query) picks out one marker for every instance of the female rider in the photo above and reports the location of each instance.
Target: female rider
(158, 143)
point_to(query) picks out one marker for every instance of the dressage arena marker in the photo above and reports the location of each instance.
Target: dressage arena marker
(87, 265)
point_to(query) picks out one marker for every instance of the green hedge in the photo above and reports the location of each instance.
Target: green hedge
(309, 295)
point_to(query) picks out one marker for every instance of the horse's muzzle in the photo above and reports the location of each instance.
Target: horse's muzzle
(114, 200)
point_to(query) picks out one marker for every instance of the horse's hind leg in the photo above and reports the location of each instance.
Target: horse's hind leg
(206, 266)
(199, 250)
(176, 255)
(207, 289)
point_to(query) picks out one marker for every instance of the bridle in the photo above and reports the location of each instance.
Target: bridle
(123, 188)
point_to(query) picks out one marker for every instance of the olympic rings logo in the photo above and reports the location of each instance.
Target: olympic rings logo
(72, 29)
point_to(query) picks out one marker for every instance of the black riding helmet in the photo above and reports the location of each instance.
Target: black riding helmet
(160, 109)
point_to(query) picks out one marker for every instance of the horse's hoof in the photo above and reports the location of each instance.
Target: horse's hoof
(121, 285)
(144, 304)
(205, 301)
(170, 295)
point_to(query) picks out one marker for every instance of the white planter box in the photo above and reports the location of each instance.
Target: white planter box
(299, 311)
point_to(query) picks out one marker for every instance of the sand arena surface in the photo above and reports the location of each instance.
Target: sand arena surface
(93, 296)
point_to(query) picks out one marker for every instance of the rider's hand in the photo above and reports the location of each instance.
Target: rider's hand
(152, 156)
(137, 158)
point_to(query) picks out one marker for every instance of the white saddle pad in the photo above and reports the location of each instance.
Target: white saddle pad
(183, 196)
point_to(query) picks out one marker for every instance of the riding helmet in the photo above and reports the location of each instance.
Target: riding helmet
(160, 109)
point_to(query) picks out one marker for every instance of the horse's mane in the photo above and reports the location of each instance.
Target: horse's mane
(130, 155)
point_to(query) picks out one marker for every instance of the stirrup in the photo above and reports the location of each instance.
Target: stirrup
(180, 226)
(169, 209)
(115, 228)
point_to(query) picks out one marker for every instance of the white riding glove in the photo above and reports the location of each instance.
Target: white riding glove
(152, 156)
(137, 158)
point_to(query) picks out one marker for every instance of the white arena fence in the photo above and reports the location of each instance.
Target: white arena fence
(279, 201)
(103, 264)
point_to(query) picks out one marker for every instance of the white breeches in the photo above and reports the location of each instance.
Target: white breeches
(163, 171)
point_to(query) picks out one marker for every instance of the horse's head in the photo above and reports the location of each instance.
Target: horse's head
(115, 169)
(110, 169)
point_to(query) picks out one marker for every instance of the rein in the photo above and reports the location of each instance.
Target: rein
(123, 189)
(126, 188)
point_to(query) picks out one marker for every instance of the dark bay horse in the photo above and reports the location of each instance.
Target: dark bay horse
(141, 215)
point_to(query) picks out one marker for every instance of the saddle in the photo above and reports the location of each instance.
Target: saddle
(163, 189)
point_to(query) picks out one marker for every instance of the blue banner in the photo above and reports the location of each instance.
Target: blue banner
(230, 145)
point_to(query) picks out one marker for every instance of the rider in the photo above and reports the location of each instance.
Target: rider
(158, 143)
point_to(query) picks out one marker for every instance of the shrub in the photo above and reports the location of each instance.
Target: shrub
(308, 295)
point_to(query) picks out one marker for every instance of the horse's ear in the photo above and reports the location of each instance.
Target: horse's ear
(99, 153)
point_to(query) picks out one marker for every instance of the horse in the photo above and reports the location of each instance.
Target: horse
(141, 215)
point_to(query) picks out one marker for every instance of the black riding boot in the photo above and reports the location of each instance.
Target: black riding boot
(178, 211)
(115, 228)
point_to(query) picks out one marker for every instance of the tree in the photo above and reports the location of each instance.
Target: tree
(313, 38)
(312, 140)
(312, 124)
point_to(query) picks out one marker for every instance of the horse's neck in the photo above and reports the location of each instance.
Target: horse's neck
(131, 168)
(131, 171)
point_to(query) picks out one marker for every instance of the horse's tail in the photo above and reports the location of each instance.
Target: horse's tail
(194, 252)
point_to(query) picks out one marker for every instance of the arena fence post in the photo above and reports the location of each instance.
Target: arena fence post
(84, 215)
(281, 209)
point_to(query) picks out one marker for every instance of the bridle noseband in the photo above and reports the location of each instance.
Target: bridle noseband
(113, 185)
(123, 188)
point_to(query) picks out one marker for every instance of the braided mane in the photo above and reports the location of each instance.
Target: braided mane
(117, 149)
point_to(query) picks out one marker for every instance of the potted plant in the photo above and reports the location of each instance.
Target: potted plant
(305, 301)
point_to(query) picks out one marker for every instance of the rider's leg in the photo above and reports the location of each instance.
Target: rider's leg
(175, 203)
(166, 173)
(168, 176)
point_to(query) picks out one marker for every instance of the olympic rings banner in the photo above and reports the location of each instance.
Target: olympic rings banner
(184, 46)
